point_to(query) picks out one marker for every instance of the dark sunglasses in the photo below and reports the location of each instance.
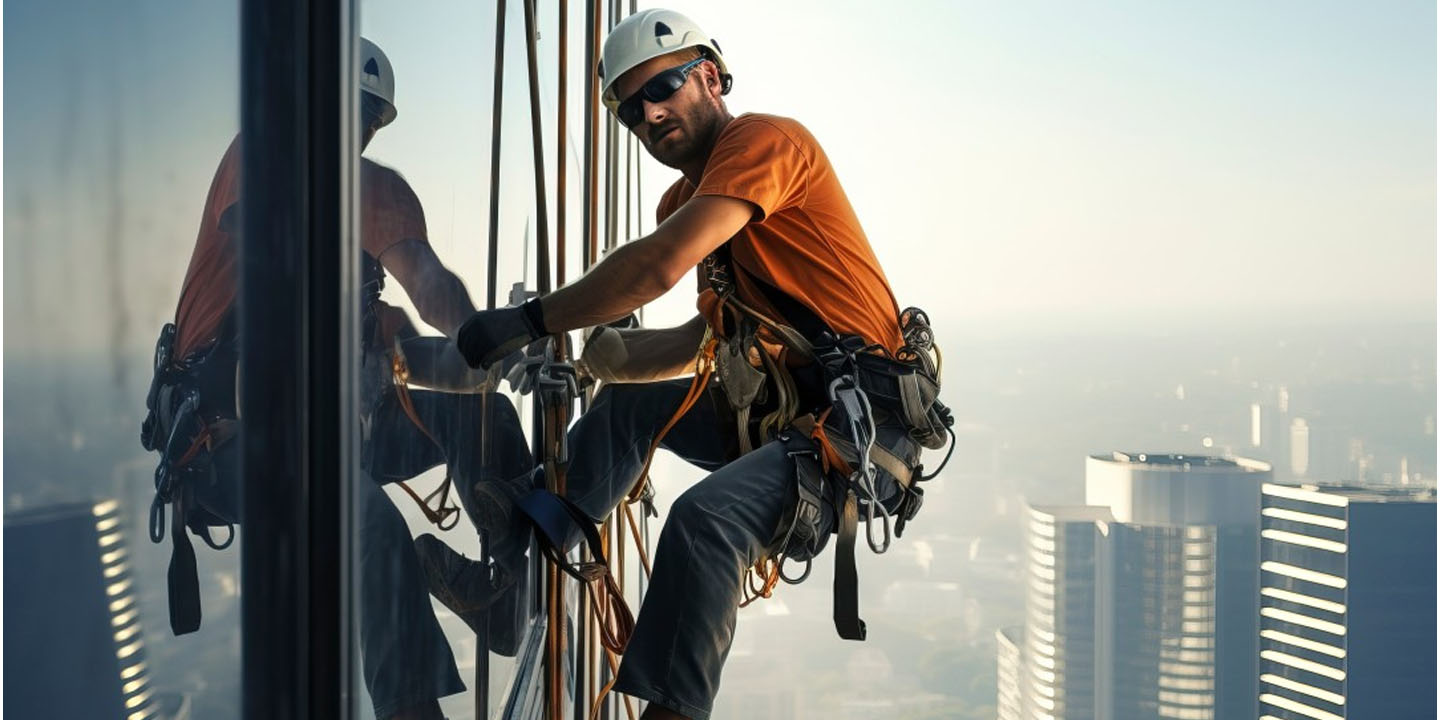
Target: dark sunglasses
(656, 89)
(372, 109)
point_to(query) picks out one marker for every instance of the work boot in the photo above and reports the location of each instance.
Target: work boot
(494, 511)
(484, 597)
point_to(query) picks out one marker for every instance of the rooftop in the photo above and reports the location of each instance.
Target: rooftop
(1184, 462)
(1366, 493)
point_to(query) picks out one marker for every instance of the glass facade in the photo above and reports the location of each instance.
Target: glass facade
(1065, 558)
(1347, 628)
(1164, 636)
(1008, 690)
(116, 116)
(274, 188)
(1183, 587)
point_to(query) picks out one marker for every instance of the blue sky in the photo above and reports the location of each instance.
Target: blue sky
(1033, 163)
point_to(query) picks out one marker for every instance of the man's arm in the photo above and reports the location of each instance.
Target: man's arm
(641, 271)
(439, 296)
(435, 363)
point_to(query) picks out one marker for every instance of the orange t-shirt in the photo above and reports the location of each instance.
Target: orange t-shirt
(805, 239)
(389, 212)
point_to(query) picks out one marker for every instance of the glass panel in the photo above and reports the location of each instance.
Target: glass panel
(431, 434)
(117, 116)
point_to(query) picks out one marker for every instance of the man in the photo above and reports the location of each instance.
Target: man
(759, 203)
(407, 663)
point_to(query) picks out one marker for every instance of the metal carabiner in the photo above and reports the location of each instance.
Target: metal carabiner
(880, 547)
(797, 580)
(845, 391)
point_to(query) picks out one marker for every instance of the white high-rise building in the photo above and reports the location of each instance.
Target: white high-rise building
(1143, 603)
(1299, 447)
(1063, 640)
(1181, 597)
(1255, 428)
(1009, 703)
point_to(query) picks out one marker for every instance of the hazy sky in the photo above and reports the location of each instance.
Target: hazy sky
(1024, 163)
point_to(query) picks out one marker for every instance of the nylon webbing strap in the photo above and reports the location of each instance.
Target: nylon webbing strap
(183, 579)
(560, 523)
(847, 580)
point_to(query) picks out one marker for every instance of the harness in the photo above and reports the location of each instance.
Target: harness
(191, 414)
(827, 415)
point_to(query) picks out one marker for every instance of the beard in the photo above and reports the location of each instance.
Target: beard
(699, 126)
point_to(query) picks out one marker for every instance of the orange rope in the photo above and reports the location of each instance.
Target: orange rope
(830, 458)
(202, 439)
(704, 369)
(639, 541)
(440, 514)
(766, 572)
(605, 691)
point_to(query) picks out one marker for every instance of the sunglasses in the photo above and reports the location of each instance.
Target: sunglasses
(656, 89)
(372, 109)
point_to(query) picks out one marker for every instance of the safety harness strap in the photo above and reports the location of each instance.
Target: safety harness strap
(847, 581)
(183, 579)
(560, 524)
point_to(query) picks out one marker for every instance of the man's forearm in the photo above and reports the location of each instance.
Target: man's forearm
(436, 364)
(443, 303)
(620, 284)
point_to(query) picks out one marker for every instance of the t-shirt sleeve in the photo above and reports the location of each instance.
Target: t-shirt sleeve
(389, 210)
(759, 163)
(670, 201)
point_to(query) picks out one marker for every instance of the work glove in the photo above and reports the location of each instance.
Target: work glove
(604, 355)
(490, 335)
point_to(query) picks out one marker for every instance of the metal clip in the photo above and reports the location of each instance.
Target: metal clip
(846, 392)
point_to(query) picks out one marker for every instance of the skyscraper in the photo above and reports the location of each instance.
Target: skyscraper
(1179, 600)
(68, 584)
(1347, 616)
(1299, 447)
(1063, 665)
(1142, 603)
(1008, 703)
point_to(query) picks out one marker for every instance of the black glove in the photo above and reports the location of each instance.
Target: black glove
(490, 335)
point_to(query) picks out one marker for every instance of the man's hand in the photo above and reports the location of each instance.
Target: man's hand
(490, 335)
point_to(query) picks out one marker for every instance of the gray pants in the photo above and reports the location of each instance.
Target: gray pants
(715, 530)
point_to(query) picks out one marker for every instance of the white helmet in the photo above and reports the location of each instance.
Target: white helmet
(649, 34)
(378, 78)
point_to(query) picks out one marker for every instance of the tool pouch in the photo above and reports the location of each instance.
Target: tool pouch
(744, 384)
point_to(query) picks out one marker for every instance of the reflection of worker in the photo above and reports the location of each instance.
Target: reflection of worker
(407, 662)
(761, 206)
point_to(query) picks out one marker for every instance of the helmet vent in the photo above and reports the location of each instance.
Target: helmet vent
(661, 30)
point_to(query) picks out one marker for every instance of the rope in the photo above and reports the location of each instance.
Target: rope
(202, 439)
(609, 686)
(441, 516)
(705, 367)
(760, 580)
(639, 541)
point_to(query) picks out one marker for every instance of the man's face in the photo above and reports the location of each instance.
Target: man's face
(681, 128)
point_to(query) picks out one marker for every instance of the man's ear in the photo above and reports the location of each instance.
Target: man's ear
(714, 85)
